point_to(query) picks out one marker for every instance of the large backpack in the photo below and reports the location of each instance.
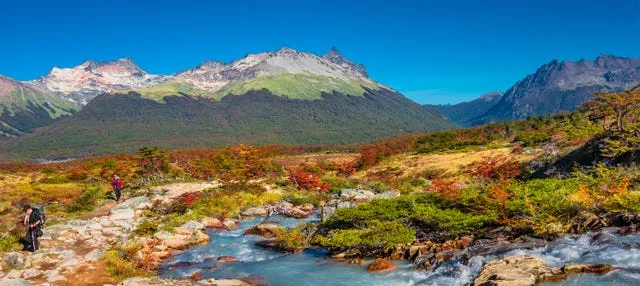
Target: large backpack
(41, 215)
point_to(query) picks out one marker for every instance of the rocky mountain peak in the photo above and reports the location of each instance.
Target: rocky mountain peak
(286, 52)
(211, 65)
(214, 75)
(248, 61)
(491, 95)
(83, 82)
(334, 51)
(563, 85)
(87, 65)
(126, 60)
(336, 57)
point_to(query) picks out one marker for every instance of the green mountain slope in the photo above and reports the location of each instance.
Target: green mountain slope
(124, 123)
(294, 86)
(24, 108)
(300, 86)
(172, 88)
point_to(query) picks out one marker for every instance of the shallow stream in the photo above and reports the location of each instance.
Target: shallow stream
(312, 267)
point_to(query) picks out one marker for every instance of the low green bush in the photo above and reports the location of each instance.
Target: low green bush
(86, 202)
(427, 209)
(297, 238)
(146, 228)
(339, 183)
(301, 197)
(531, 139)
(9, 242)
(55, 179)
(629, 202)
(543, 198)
(386, 234)
(120, 267)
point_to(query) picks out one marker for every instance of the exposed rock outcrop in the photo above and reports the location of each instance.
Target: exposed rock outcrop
(381, 265)
(529, 270)
(266, 229)
(516, 271)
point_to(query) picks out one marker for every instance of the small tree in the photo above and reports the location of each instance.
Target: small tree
(614, 108)
(153, 162)
(619, 114)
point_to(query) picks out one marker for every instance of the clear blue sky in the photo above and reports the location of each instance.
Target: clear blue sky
(433, 51)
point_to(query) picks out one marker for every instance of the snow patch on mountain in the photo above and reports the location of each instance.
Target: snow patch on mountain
(214, 75)
(83, 82)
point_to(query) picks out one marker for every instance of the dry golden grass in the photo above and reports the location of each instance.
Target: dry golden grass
(450, 163)
(297, 161)
(30, 188)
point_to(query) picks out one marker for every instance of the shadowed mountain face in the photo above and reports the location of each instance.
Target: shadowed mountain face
(124, 123)
(559, 86)
(462, 112)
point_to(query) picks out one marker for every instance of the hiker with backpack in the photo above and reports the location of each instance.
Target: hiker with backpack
(34, 219)
(116, 184)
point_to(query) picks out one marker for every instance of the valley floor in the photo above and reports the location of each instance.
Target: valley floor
(451, 216)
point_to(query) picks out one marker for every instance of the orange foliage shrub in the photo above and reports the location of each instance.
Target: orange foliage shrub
(346, 169)
(499, 167)
(448, 188)
(78, 174)
(498, 194)
(369, 156)
(307, 181)
(617, 186)
(372, 154)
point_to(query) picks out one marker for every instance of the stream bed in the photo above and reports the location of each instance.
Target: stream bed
(312, 267)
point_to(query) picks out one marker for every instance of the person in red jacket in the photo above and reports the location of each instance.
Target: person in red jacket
(116, 184)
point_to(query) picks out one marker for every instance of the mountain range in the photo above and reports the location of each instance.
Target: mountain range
(554, 87)
(281, 97)
(285, 96)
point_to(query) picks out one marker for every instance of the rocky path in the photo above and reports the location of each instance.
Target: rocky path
(70, 252)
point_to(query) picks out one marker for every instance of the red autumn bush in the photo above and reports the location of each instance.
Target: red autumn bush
(189, 198)
(307, 181)
(499, 167)
(184, 202)
(369, 156)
